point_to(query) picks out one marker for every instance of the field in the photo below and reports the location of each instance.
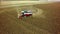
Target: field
(48, 23)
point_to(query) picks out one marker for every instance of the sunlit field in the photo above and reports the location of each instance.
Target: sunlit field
(46, 21)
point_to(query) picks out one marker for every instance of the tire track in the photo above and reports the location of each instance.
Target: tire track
(34, 27)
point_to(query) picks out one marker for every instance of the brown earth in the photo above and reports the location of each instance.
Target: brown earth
(10, 24)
